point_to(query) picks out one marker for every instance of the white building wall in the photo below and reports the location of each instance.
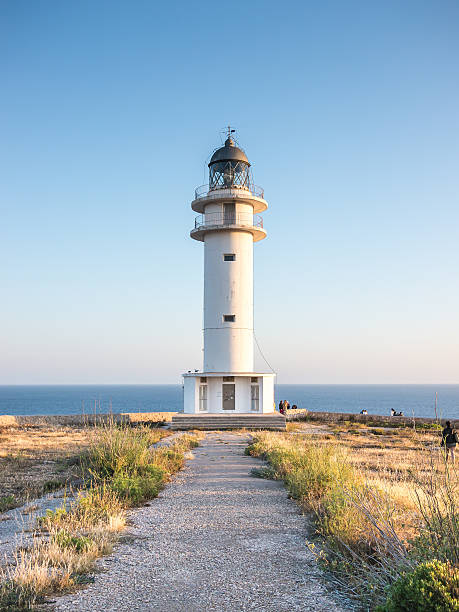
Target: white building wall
(215, 394)
(190, 394)
(228, 289)
(267, 393)
(243, 394)
(213, 208)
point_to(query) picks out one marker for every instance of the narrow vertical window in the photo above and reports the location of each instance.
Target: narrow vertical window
(202, 398)
(255, 398)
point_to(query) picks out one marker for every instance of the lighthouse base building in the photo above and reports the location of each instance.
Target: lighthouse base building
(228, 224)
(219, 392)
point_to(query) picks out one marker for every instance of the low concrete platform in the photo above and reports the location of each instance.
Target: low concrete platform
(210, 422)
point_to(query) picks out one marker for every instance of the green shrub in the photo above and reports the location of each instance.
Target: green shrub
(120, 450)
(96, 506)
(7, 502)
(170, 460)
(436, 541)
(52, 485)
(53, 517)
(64, 539)
(432, 587)
(138, 489)
(263, 472)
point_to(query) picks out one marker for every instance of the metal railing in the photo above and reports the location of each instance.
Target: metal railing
(204, 190)
(220, 219)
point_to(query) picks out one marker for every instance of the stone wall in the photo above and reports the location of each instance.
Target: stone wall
(80, 420)
(369, 419)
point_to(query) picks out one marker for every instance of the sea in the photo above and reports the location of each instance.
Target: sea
(417, 400)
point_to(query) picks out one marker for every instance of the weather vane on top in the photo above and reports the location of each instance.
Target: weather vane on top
(230, 131)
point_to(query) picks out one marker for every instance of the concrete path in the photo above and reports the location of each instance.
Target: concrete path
(217, 539)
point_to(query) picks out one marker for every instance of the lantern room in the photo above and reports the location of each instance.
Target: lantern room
(229, 167)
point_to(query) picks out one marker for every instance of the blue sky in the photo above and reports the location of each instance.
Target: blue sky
(348, 113)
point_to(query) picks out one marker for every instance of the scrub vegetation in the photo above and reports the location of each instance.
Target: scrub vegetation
(121, 469)
(384, 504)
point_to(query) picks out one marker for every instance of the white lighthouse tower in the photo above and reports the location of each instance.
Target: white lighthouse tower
(228, 224)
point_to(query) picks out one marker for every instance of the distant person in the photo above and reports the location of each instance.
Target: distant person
(392, 412)
(449, 439)
(286, 405)
(281, 406)
(294, 407)
(364, 411)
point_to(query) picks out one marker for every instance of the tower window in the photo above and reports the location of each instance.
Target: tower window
(229, 318)
(229, 257)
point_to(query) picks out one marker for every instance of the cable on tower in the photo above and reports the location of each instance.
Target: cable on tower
(261, 353)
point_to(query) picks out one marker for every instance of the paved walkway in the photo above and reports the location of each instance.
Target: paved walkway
(217, 539)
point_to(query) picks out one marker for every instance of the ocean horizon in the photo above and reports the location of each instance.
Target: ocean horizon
(417, 400)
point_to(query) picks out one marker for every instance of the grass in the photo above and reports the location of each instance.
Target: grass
(384, 502)
(122, 470)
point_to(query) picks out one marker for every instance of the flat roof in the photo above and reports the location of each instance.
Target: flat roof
(235, 374)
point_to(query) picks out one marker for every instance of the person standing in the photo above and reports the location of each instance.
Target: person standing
(449, 440)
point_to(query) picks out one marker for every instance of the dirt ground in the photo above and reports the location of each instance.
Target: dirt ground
(36, 460)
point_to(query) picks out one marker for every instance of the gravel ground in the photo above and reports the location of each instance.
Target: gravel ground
(216, 539)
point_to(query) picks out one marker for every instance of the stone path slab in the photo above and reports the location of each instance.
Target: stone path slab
(17, 525)
(217, 539)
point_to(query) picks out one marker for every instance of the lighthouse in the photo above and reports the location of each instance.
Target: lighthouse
(228, 224)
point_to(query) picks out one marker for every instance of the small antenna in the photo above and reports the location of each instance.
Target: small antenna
(230, 131)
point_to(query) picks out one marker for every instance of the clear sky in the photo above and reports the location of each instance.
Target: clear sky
(348, 112)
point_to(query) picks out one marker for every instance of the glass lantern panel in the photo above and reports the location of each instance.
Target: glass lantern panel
(229, 174)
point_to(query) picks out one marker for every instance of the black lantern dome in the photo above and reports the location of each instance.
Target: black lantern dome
(229, 167)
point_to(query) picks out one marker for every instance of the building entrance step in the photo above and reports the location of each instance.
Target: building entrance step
(271, 421)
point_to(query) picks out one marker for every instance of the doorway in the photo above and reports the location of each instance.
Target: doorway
(229, 213)
(228, 396)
